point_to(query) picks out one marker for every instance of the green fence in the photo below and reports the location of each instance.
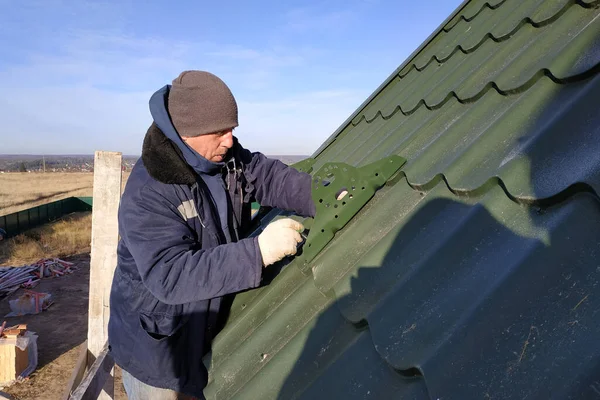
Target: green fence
(21, 221)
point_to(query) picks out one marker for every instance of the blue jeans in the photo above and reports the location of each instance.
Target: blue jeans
(138, 390)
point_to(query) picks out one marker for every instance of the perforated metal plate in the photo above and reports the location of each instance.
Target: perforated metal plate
(304, 165)
(340, 191)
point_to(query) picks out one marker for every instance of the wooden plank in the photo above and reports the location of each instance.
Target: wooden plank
(91, 387)
(13, 360)
(105, 235)
(5, 396)
(78, 371)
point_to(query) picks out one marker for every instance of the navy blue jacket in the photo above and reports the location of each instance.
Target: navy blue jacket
(182, 248)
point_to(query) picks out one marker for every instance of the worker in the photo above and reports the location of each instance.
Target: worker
(183, 220)
(2, 234)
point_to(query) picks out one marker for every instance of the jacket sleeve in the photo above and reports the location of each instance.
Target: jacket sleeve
(170, 261)
(275, 184)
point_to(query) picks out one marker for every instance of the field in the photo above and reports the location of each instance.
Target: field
(22, 190)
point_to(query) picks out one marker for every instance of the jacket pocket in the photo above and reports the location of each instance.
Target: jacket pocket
(159, 327)
(157, 319)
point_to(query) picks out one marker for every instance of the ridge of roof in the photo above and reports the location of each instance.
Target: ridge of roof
(491, 6)
(408, 59)
(526, 20)
(560, 8)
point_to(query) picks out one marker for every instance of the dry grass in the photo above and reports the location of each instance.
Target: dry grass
(23, 190)
(68, 236)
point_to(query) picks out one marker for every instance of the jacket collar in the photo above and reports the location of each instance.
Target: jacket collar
(163, 159)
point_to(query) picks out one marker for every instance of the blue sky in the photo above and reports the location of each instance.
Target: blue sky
(76, 75)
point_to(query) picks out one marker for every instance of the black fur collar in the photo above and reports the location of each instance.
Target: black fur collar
(164, 161)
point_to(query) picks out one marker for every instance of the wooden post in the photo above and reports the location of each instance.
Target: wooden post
(105, 236)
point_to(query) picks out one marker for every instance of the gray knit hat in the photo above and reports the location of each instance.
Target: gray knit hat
(200, 103)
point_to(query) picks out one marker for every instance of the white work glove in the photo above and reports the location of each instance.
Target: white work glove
(279, 239)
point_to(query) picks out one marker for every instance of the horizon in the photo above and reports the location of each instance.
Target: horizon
(77, 77)
(124, 155)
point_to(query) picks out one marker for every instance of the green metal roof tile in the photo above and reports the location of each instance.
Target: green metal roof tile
(334, 337)
(550, 10)
(324, 368)
(494, 290)
(445, 42)
(509, 64)
(556, 145)
(494, 25)
(550, 48)
(470, 143)
(242, 300)
(387, 263)
(472, 271)
(472, 10)
(339, 261)
(422, 129)
(360, 373)
(253, 312)
(268, 337)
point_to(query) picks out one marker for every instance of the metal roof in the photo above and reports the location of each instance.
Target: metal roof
(474, 272)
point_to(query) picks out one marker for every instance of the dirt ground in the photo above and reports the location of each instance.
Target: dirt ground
(61, 330)
(63, 327)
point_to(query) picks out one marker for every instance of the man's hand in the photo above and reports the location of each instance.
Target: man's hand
(279, 239)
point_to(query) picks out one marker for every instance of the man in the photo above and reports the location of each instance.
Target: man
(182, 221)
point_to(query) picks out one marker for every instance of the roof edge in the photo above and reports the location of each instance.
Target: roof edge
(409, 59)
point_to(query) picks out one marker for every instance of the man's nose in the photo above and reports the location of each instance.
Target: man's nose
(228, 140)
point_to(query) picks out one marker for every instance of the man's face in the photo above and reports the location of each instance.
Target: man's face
(212, 146)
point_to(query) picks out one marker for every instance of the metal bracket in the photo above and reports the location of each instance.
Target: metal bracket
(339, 191)
(304, 165)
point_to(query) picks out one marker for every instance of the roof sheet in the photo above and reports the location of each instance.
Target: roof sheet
(474, 272)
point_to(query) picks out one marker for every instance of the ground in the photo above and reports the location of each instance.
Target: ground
(61, 330)
(63, 327)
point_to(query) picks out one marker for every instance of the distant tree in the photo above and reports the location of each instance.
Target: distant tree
(22, 167)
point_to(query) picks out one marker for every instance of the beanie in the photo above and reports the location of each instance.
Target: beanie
(200, 103)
